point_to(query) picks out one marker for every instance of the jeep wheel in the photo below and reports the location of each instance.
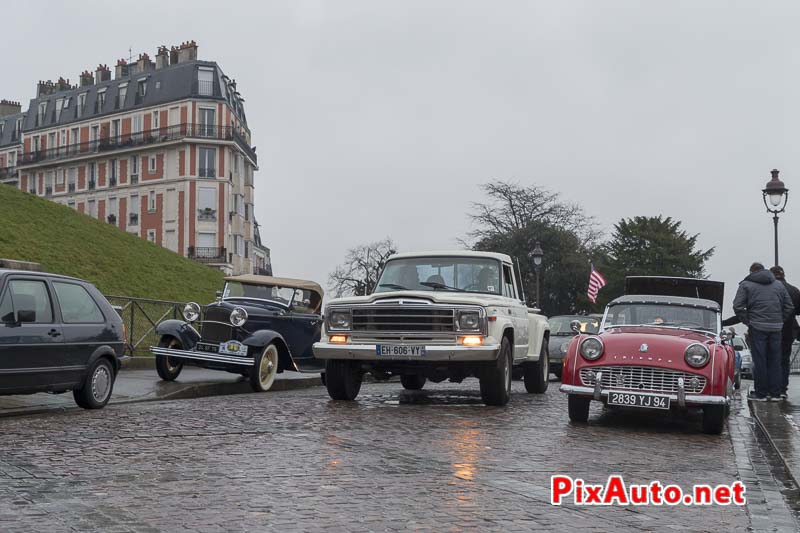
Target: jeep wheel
(713, 419)
(265, 367)
(342, 380)
(578, 408)
(537, 375)
(97, 386)
(169, 368)
(496, 380)
(413, 381)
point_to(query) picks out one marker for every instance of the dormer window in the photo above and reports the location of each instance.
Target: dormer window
(205, 81)
(41, 113)
(101, 101)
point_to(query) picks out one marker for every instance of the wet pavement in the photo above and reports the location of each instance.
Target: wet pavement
(434, 460)
(145, 385)
(781, 424)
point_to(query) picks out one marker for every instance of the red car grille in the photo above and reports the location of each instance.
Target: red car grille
(642, 378)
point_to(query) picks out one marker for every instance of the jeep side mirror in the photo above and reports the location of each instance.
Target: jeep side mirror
(575, 326)
(24, 315)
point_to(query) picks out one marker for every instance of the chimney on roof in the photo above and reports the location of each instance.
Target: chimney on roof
(45, 88)
(121, 70)
(144, 64)
(173, 56)
(87, 78)
(63, 85)
(7, 107)
(187, 51)
(162, 57)
(102, 73)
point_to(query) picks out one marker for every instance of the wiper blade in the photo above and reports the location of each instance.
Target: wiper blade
(436, 285)
(393, 286)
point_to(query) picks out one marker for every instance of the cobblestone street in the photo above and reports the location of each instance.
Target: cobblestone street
(433, 460)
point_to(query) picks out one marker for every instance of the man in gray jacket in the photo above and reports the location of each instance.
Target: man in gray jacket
(763, 305)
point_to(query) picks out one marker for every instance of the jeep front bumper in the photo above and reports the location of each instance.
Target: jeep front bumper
(368, 352)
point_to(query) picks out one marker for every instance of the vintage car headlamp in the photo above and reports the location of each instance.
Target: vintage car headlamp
(564, 348)
(238, 317)
(339, 319)
(191, 311)
(591, 348)
(468, 321)
(696, 355)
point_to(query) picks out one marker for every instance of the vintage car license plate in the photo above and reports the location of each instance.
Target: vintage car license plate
(401, 350)
(632, 399)
(232, 348)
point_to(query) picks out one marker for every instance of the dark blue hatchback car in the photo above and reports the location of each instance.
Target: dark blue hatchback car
(58, 334)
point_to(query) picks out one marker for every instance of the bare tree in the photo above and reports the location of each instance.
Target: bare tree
(511, 207)
(361, 268)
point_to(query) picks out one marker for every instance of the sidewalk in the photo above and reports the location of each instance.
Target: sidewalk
(142, 385)
(780, 422)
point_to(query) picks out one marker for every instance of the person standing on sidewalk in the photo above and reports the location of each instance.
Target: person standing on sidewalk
(763, 304)
(790, 329)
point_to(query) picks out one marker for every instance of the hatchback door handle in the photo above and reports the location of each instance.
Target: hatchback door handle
(54, 333)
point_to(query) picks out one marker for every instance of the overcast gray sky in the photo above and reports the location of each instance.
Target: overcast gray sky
(383, 118)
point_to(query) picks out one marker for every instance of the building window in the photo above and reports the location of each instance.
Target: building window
(51, 141)
(66, 102)
(123, 92)
(101, 101)
(112, 165)
(137, 126)
(112, 211)
(207, 203)
(48, 183)
(238, 201)
(60, 177)
(59, 107)
(12, 159)
(208, 162)
(153, 163)
(41, 114)
(206, 240)
(207, 119)
(155, 120)
(92, 208)
(116, 129)
(205, 81)
(94, 134)
(71, 204)
(239, 245)
(71, 177)
(81, 105)
(133, 211)
(74, 136)
(134, 168)
(141, 90)
(151, 201)
(151, 235)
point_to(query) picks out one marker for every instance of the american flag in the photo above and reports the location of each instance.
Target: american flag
(596, 282)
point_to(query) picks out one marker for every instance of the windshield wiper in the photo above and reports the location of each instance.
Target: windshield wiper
(437, 285)
(393, 286)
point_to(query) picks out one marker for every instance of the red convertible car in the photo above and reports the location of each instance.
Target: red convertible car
(660, 347)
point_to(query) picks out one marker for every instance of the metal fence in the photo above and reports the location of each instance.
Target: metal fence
(141, 316)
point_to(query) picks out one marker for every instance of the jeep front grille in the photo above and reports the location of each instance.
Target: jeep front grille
(404, 319)
(642, 378)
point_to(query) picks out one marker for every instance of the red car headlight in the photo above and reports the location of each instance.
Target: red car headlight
(697, 355)
(591, 348)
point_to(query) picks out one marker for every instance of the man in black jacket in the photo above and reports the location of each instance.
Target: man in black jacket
(790, 329)
(763, 305)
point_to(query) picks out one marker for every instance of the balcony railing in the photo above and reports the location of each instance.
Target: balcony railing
(144, 138)
(112, 219)
(92, 184)
(207, 214)
(112, 182)
(207, 172)
(48, 191)
(134, 179)
(8, 172)
(71, 187)
(133, 219)
(208, 255)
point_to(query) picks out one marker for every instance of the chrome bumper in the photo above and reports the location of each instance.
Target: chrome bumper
(202, 356)
(367, 352)
(682, 399)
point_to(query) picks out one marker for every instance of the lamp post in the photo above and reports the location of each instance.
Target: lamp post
(537, 255)
(775, 197)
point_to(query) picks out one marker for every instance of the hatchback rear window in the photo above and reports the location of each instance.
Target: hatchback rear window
(77, 305)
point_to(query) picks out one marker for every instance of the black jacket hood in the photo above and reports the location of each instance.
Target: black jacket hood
(764, 277)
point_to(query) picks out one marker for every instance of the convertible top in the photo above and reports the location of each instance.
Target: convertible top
(252, 279)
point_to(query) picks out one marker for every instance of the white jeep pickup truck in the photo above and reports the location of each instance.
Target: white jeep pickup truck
(436, 316)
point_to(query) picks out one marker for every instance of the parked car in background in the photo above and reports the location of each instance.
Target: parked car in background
(659, 347)
(259, 327)
(739, 344)
(58, 334)
(437, 316)
(561, 333)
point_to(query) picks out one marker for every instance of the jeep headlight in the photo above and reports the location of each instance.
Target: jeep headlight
(238, 317)
(468, 321)
(191, 312)
(592, 348)
(696, 355)
(339, 319)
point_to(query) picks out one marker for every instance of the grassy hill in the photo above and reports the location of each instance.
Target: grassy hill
(67, 242)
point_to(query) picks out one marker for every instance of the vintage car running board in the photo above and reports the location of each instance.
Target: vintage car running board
(214, 358)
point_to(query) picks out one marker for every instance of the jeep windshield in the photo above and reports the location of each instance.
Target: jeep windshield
(300, 300)
(662, 315)
(462, 274)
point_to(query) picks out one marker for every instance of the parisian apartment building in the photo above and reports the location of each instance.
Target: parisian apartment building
(160, 149)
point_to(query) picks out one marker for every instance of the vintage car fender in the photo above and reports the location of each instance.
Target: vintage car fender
(264, 337)
(183, 331)
(722, 371)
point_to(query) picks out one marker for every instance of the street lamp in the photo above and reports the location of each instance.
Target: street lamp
(775, 197)
(537, 255)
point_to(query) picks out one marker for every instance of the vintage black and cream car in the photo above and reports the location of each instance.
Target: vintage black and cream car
(258, 327)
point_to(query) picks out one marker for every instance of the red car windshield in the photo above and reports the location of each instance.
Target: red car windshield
(663, 315)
